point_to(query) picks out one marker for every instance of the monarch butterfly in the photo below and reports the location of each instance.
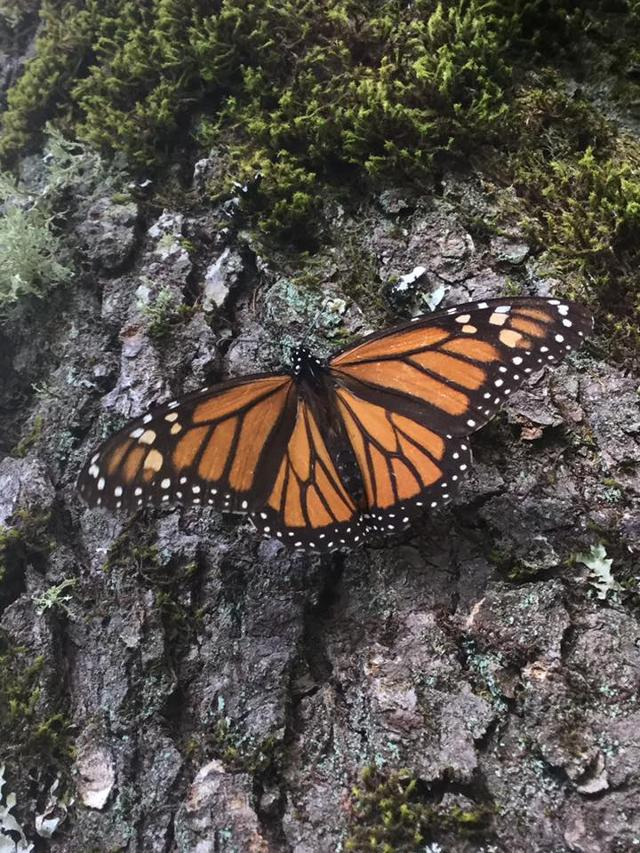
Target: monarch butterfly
(326, 453)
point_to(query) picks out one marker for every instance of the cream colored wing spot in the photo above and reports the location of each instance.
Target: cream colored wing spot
(498, 319)
(153, 460)
(147, 437)
(509, 337)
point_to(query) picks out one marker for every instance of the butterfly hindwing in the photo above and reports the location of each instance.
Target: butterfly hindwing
(309, 505)
(452, 370)
(405, 466)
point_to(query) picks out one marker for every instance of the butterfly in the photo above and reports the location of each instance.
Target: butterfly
(327, 453)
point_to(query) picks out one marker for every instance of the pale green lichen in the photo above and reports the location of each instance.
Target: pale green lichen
(56, 597)
(600, 576)
(29, 254)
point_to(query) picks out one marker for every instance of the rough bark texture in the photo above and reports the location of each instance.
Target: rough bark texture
(218, 693)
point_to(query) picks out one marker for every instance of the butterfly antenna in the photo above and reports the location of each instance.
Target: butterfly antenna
(313, 325)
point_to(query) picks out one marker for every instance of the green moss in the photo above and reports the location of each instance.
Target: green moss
(394, 813)
(238, 752)
(65, 37)
(142, 77)
(309, 95)
(32, 437)
(34, 732)
(179, 620)
(580, 195)
(27, 541)
(164, 313)
(299, 89)
(512, 568)
(376, 91)
(14, 12)
(131, 550)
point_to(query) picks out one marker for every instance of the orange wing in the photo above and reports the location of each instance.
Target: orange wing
(309, 505)
(251, 445)
(385, 438)
(409, 397)
(452, 370)
(405, 466)
(216, 447)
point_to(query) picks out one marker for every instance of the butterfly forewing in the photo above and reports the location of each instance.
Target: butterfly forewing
(215, 447)
(452, 370)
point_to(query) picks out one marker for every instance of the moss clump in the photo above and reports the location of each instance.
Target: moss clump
(27, 541)
(294, 90)
(32, 437)
(579, 201)
(14, 12)
(391, 813)
(35, 739)
(297, 96)
(382, 87)
(164, 313)
(239, 752)
(590, 227)
(125, 554)
(43, 88)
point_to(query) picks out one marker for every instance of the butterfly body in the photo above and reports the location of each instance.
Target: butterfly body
(317, 385)
(326, 453)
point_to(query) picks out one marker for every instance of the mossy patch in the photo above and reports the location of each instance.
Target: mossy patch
(35, 738)
(589, 227)
(239, 752)
(32, 437)
(577, 198)
(26, 541)
(164, 313)
(43, 88)
(394, 813)
(299, 92)
(302, 101)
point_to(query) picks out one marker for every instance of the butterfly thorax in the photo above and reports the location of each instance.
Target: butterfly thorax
(306, 366)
